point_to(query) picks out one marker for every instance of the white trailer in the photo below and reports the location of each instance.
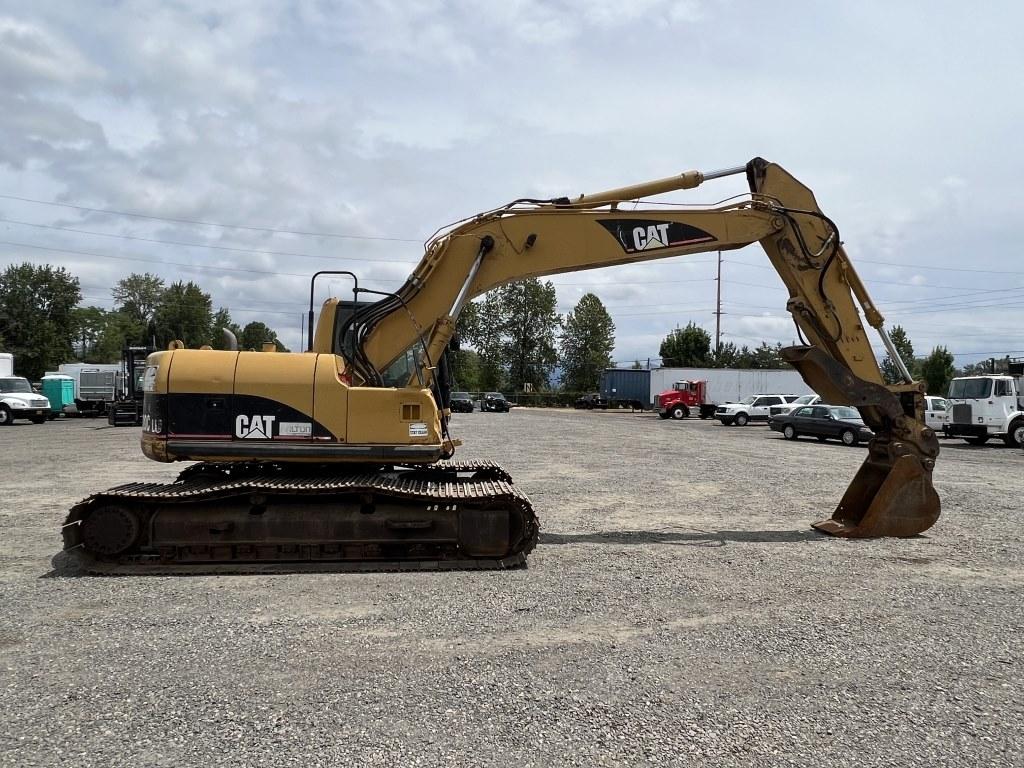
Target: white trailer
(728, 385)
(6, 364)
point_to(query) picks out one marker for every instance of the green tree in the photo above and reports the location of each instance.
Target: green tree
(890, 372)
(688, 347)
(484, 331)
(119, 331)
(465, 365)
(726, 356)
(529, 325)
(767, 356)
(938, 370)
(464, 362)
(588, 339)
(255, 333)
(37, 319)
(513, 331)
(184, 312)
(137, 297)
(90, 323)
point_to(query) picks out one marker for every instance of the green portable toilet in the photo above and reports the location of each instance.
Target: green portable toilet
(59, 390)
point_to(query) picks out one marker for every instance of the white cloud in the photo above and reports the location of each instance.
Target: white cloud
(393, 118)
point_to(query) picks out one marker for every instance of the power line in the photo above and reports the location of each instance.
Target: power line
(200, 245)
(197, 222)
(906, 266)
(298, 311)
(93, 254)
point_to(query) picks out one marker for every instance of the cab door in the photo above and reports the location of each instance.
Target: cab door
(935, 413)
(759, 408)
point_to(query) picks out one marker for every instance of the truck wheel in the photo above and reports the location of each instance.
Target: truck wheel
(1015, 437)
(6, 417)
(979, 440)
(848, 436)
(741, 419)
(680, 412)
(38, 419)
(788, 432)
(663, 414)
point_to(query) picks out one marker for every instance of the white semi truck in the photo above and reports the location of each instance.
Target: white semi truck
(983, 407)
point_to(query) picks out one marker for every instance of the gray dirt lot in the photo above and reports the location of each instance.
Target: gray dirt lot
(678, 611)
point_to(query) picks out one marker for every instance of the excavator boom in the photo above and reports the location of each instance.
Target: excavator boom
(330, 459)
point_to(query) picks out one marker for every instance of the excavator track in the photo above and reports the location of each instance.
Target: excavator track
(267, 518)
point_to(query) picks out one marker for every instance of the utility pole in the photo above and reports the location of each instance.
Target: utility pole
(718, 308)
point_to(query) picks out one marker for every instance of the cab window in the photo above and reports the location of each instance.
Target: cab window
(403, 372)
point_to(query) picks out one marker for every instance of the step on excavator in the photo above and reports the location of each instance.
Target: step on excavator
(340, 457)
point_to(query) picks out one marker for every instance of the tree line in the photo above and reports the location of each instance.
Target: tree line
(44, 323)
(512, 340)
(936, 369)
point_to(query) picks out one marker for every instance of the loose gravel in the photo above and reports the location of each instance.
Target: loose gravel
(678, 611)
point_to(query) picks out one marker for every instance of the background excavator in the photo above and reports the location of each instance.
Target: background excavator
(339, 458)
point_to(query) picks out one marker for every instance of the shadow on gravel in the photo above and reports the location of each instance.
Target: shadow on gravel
(997, 444)
(64, 566)
(682, 538)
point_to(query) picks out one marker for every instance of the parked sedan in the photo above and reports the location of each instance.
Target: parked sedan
(494, 401)
(591, 401)
(460, 402)
(839, 422)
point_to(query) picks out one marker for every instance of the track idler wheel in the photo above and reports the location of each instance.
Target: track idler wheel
(110, 530)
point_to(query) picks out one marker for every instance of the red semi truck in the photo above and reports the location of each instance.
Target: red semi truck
(685, 396)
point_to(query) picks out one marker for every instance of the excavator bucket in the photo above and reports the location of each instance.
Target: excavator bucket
(886, 498)
(892, 493)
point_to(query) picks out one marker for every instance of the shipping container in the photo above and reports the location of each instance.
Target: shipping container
(626, 386)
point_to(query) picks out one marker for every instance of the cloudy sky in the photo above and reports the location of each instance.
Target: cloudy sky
(259, 141)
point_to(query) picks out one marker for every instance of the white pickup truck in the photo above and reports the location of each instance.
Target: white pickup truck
(751, 408)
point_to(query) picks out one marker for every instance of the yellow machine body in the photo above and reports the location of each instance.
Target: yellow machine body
(222, 406)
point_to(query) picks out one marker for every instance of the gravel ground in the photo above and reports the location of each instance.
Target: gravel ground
(678, 611)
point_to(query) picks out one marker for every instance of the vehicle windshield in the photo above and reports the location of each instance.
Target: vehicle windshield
(804, 399)
(460, 395)
(846, 413)
(15, 385)
(965, 389)
(496, 395)
(748, 400)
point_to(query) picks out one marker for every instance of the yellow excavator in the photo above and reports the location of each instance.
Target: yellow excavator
(340, 457)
